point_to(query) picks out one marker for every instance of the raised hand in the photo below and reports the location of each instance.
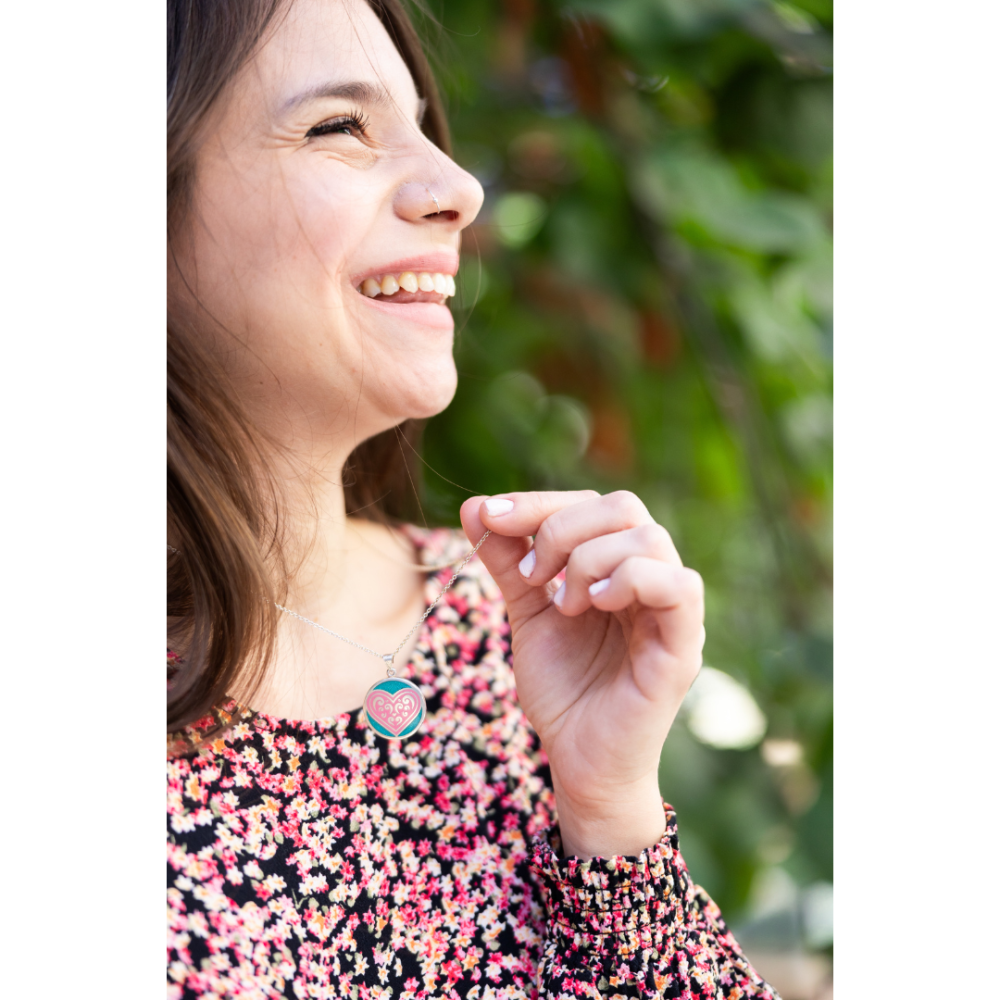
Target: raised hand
(602, 661)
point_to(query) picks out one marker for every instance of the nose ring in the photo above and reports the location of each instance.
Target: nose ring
(434, 199)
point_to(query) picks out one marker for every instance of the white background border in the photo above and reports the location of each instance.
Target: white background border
(917, 513)
(917, 555)
(83, 421)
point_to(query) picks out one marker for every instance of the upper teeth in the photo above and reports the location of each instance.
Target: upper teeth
(389, 284)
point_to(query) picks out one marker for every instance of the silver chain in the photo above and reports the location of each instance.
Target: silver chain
(389, 657)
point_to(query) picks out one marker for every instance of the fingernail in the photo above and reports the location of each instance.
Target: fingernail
(527, 564)
(560, 595)
(599, 587)
(498, 506)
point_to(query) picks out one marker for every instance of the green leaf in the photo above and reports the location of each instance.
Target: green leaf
(681, 185)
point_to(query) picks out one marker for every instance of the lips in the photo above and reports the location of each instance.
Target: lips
(434, 314)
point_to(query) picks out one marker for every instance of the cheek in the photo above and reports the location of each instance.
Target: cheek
(282, 239)
(322, 224)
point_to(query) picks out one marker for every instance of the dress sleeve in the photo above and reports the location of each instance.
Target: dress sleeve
(635, 927)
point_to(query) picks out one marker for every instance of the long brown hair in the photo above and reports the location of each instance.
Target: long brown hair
(224, 567)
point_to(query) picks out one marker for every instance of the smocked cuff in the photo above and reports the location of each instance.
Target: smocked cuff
(634, 927)
(636, 900)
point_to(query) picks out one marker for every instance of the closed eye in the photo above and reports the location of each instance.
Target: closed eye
(353, 124)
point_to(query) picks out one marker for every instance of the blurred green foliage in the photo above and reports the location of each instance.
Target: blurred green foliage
(651, 310)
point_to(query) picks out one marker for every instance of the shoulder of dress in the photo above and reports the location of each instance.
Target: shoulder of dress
(210, 734)
(436, 545)
(442, 550)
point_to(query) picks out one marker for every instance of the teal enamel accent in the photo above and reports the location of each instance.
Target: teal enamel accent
(391, 685)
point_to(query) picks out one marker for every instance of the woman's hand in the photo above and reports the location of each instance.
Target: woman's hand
(602, 662)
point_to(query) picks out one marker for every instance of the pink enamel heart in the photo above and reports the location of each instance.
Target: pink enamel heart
(393, 712)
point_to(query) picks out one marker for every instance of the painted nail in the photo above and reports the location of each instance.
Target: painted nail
(527, 564)
(560, 595)
(498, 506)
(599, 587)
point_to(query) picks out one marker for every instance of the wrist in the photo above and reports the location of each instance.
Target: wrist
(626, 824)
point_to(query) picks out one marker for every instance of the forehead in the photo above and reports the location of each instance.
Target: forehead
(321, 42)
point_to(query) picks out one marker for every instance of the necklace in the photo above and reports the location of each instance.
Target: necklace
(393, 707)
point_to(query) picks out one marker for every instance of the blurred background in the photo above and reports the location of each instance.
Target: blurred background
(645, 304)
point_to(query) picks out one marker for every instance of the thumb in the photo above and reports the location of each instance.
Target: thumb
(500, 555)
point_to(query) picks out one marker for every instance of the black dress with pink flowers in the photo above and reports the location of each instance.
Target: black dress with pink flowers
(315, 859)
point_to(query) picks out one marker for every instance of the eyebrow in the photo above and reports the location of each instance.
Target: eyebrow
(360, 91)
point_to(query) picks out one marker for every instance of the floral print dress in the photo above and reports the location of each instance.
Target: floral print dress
(313, 859)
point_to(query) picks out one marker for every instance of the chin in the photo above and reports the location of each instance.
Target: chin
(423, 393)
(435, 396)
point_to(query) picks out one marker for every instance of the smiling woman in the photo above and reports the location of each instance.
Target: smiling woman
(436, 831)
(287, 191)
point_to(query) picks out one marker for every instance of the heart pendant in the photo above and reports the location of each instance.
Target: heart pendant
(394, 707)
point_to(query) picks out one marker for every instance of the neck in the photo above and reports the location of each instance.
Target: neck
(316, 536)
(351, 575)
(307, 463)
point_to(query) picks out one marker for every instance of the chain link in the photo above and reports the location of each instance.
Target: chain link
(389, 657)
(322, 628)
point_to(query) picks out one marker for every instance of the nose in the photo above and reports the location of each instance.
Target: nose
(441, 193)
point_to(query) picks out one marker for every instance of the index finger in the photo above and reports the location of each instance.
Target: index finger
(520, 514)
(515, 517)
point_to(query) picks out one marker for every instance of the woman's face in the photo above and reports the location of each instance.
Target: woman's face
(315, 177)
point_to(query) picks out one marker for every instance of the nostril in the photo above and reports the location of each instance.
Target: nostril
(448, 215)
